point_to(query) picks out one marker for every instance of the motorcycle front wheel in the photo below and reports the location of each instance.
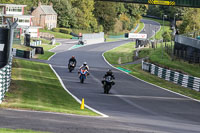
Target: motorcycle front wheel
(81, 79)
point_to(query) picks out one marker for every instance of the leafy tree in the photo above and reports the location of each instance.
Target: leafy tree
(66, 14)
(190, 21)
(166, 36)
(106, 14)
(84, 14)
(6, 1)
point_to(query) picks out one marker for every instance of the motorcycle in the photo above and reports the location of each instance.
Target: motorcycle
(108, 84)
(82, 75)
(71, 66)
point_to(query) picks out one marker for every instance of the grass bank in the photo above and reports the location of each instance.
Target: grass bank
(57, 34)
(47, 53)
(5, 130)
(34, 86)
(124, 54)
(140, 27)
(155, 57)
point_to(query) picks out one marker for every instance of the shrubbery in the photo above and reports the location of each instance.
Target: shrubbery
(62, 30)
(56, 29)
(66, 31)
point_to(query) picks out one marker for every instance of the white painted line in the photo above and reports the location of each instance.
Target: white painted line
(53, 49)
(150, 97)
(51, 56)
(148, 82)
(79, 101)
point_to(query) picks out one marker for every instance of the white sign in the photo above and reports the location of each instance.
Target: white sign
(137, 36)
(1, 47)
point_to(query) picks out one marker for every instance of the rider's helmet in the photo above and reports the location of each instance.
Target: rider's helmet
(73, 57)
(109, 71)
(84, 63)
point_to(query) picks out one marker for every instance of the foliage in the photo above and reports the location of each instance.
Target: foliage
(166, 36)
(170, 11)
(66, 13)
(56, 30)
(84, 14)
(64, 30)
(6, 1)
(190, 21)
(105, 12)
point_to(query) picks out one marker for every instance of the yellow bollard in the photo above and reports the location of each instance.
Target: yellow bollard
(82, 104)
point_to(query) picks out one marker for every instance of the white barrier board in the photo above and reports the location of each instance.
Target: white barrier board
(137, 36)
(1, 47)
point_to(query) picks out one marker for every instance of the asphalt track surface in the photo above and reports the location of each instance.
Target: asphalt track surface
(133, 106)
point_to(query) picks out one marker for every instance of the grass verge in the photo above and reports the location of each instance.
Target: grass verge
(5, 130)
(47, 53)
(57, 34)
(124, 54)
(141, 26)
(22, 47)
(34, 86)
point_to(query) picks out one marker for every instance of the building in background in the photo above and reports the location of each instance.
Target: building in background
(45, 16)
(14, 12)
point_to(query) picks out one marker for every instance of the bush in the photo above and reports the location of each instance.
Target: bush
(66, 31)
(56, 29)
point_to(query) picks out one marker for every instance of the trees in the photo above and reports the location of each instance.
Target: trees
(190, 21)
(105, 12)
(84, 14)
(66, 13)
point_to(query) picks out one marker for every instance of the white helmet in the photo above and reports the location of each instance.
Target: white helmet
(84, 63)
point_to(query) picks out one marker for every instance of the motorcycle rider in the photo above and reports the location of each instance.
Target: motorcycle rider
(108, 73)
(84, 66)
(72, 59)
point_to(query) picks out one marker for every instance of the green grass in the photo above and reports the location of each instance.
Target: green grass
(124, 54)
(5, 130)
(45, 56)
(113, 55)
(47, 53)
(141, 26)
(22, 47)
(44, 41)
(57, 34)
(158, 35)
(167, 23)
(112, 39)
(34, 86)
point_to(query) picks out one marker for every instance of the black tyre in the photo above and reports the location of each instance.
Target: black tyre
(81, 79)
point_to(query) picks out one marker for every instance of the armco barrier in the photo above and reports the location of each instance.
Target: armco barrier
(5, 79)
(173, 76)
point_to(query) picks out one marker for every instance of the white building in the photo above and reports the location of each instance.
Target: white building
(14, 12)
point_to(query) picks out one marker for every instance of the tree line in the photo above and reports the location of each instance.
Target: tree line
(91, 15)
(96, 16)
(188, 19)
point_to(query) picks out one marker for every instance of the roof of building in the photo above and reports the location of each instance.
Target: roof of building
(15, 5)
(48, 9)
(18, 16)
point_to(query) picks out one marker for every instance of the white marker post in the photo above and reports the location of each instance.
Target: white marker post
(2, 47)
